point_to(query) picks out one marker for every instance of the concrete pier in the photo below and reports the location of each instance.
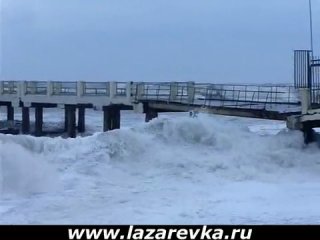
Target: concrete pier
(307, 120)
(111, 118)
(38, 120)
(151, 114)
(81, 119)
(25, 120)
(149, 98)
(71, 120)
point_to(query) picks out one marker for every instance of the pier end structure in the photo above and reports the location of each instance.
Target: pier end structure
(74, 97)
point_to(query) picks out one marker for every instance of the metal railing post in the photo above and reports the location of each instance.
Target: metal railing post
(211, 94)
(266, 102)
(245, 93)
(233, 92)
(238, 99)
(158, 91)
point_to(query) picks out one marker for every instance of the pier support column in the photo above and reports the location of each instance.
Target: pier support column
(151, 114)
(305, 100)
(10, 113)
(308, 133)
(10, 117)
(111, 118)
(81, 119)
(71, 120)
(65, 119)
(25, 120)
(117, 118)
(106, 119)
(39, 120)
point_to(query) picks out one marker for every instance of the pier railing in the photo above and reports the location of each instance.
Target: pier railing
(198, 94)
(9, 87)
(307, 74)
(219, 95)
(59, 88)
(96, 88)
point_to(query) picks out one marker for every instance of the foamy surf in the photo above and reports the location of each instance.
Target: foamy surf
(23, 172)
(171, 170)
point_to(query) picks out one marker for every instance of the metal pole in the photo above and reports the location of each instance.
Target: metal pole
(311, 26)
(310, 60)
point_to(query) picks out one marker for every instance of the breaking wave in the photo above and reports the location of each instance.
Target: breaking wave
(23, 171)
(183, 147)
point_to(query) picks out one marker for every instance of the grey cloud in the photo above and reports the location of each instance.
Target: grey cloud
(158, 40)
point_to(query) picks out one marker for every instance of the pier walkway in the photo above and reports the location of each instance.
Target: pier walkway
(259, 101)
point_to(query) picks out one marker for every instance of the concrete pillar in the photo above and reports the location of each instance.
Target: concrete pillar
(117, 118)
(71, 120)
(24, 87)
(111, 118)
(39, 120)
(129, 86)
(65, 119)
(81, 119)
(1, 87)
(10, 113)
(308, 133)
(140, 91)
(80, 88)
(112, 89)
(56, 88)
(10, 117)
(106, 119)
(305, 100)
(151, 114)
(191, 92)
(25, 120)
(49, 88)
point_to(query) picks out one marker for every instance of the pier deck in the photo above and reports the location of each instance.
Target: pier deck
(275, 102)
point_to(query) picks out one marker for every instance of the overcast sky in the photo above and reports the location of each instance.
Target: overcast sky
(234, 41)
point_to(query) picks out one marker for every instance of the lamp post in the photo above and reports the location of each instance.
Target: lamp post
(311, 25)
